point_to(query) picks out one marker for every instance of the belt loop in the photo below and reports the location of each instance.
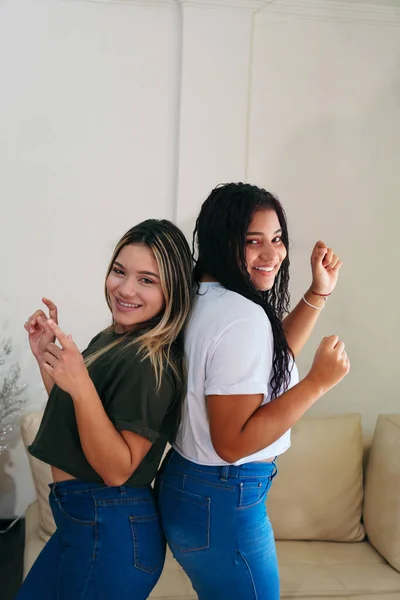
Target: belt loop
(122, 489)
(225, 473)
(53, 489)
(170, 455)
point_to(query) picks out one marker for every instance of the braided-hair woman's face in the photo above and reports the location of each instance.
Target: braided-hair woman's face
(265, 250)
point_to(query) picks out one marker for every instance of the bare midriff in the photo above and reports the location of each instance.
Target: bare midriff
(59, 475)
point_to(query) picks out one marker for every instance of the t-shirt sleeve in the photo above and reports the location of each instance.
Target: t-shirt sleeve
(240, 360)
(134, 402)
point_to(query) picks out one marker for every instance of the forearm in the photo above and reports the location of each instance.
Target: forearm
(270, 421)
(300, 322)
(104, 447)
(48, 381)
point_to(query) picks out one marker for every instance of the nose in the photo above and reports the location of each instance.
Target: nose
(269, 254)
(127, 289)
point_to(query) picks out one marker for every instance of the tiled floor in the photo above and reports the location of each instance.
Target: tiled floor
(11, 553)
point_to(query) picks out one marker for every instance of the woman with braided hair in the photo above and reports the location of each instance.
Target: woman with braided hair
(243, 392)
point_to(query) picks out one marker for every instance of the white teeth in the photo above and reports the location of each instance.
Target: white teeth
(128, 305)
(268, 269)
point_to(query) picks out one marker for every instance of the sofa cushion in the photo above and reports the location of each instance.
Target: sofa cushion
(382, 490)
(41, 474)
(324, 570)
(318, 492)
(173, 583)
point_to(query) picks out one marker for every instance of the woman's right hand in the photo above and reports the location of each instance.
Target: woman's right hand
(330, 364)
(40, 334)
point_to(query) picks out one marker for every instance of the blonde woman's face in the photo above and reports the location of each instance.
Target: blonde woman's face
(134, 287)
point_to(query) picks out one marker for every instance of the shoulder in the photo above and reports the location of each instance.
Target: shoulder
(132, 362)
(238, 305)
(127, 357)
(95, 339)
(227, 323)
(99, 341)
(223, 308)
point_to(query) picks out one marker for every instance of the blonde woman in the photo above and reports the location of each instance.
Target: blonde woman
(110, 413)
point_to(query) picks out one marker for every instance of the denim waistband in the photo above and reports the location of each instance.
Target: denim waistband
(225, 472)
(78, 486)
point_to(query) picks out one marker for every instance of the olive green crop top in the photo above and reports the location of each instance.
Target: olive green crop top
(126, 385)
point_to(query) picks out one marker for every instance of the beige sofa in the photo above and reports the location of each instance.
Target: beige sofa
(321, 507)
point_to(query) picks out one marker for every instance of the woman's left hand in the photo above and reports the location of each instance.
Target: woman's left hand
(325, 265)
(66, 364)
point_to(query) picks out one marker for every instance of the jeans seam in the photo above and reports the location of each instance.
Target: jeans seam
(84, 491)
(73, 519)
(190, 468)
(205, 502)
(250, 574)
(94, 553)
(254, 476)
(174, 460)
(203, 481)
(137, 563)
(123, 501)
(262, 499)
(96, 531)
(230, 477)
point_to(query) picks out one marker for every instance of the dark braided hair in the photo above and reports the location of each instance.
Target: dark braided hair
(219, 242)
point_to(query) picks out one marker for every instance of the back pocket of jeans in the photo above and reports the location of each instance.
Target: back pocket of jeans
(148, 543)
(186, 519)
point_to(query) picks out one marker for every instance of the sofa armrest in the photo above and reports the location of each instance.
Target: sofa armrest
(41, 474)
(382, 490)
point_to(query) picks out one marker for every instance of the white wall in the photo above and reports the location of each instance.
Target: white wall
(88, 109)
(325, 135)
(111, 112)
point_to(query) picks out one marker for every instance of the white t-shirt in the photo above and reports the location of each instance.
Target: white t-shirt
(229, 350)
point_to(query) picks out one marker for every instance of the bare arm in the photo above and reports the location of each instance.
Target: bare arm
(48, 381)
(113, 455)
(250, 427)
(240, 426)
(300, 322)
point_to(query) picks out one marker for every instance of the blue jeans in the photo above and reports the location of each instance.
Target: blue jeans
(217, 527)
(108, 544)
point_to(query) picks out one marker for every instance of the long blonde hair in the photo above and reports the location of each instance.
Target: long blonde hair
(156, 337)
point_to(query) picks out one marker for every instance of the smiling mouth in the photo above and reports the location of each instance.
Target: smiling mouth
(127, 305)
(266, 270)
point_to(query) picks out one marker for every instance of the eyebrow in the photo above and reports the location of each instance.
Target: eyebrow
(149, 273)
(140, 272)
(261, 233)
(119, 264)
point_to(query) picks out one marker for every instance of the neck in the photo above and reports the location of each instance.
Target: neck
(206, 278)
